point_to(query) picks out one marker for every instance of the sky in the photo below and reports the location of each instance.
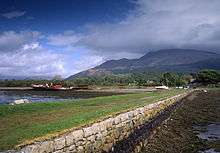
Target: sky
(54, 37)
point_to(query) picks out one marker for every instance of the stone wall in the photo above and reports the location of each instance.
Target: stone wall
(103, 136)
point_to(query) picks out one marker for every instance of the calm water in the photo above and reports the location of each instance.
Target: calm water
(47, 96)
(210, 132)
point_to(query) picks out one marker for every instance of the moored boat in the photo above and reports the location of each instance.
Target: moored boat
(49, 87)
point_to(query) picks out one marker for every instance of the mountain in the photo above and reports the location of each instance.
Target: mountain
(174, 60)
(8, 77)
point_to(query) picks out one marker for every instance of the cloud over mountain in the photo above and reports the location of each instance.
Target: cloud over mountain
(157, 24)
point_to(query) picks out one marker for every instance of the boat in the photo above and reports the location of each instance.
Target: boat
(47, 87)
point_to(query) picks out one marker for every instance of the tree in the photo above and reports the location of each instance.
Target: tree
(171, 79)
(188, 78)
(168, 79)
(208, 77)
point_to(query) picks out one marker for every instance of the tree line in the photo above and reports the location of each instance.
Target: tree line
(204, 77)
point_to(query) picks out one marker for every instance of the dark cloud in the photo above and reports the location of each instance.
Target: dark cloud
(158, 24)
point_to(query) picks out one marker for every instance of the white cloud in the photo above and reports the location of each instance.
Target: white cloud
(32, 62)
(64, 39)
(22, 55)
(85, 62)
(11, 41)
(31, 46)
(13, 14)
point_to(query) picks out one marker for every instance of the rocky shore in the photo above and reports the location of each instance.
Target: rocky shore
(193, 127)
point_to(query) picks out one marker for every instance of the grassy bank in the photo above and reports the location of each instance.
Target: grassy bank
(22, 123)
(178, 134)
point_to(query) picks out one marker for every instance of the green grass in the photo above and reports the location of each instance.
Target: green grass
(22, 123)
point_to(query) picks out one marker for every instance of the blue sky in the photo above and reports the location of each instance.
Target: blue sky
(54, 16)
(50, 37)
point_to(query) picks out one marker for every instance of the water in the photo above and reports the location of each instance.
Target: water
(208, 151)
(8, 96)
(209, 132)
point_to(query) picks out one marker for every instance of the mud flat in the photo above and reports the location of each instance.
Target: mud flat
(193, 127)
(16, 88)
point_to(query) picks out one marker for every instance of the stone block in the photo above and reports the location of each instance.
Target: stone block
(69, 139)
(109, 139)
(89, 147)
(104, 133)
(116, 134)
(98, 136)
(96, 128)
(71, 149)
(107, 147)
(88, 131)
(59, 151)
(46, 147)
(59, 143)
(102, 126)
(97, 145)
(30, 149)
(131, 114)
(77, 135)
(80, 149)
(117, 120)
(80, 142)
(123, 117)
(91, 138)
(108, 123)
(136, 112)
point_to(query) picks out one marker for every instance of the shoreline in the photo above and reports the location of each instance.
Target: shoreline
(116, 90)
(16, 88)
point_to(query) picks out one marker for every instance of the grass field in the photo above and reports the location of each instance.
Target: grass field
(22, 123)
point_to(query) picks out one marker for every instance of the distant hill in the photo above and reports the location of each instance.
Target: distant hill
(174, 60)
(7, 77)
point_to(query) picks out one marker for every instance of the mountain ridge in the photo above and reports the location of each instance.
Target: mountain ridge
(174, 60)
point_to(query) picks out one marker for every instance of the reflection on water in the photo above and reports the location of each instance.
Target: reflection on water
(47, 96)
(209, 132)
(209, 151)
